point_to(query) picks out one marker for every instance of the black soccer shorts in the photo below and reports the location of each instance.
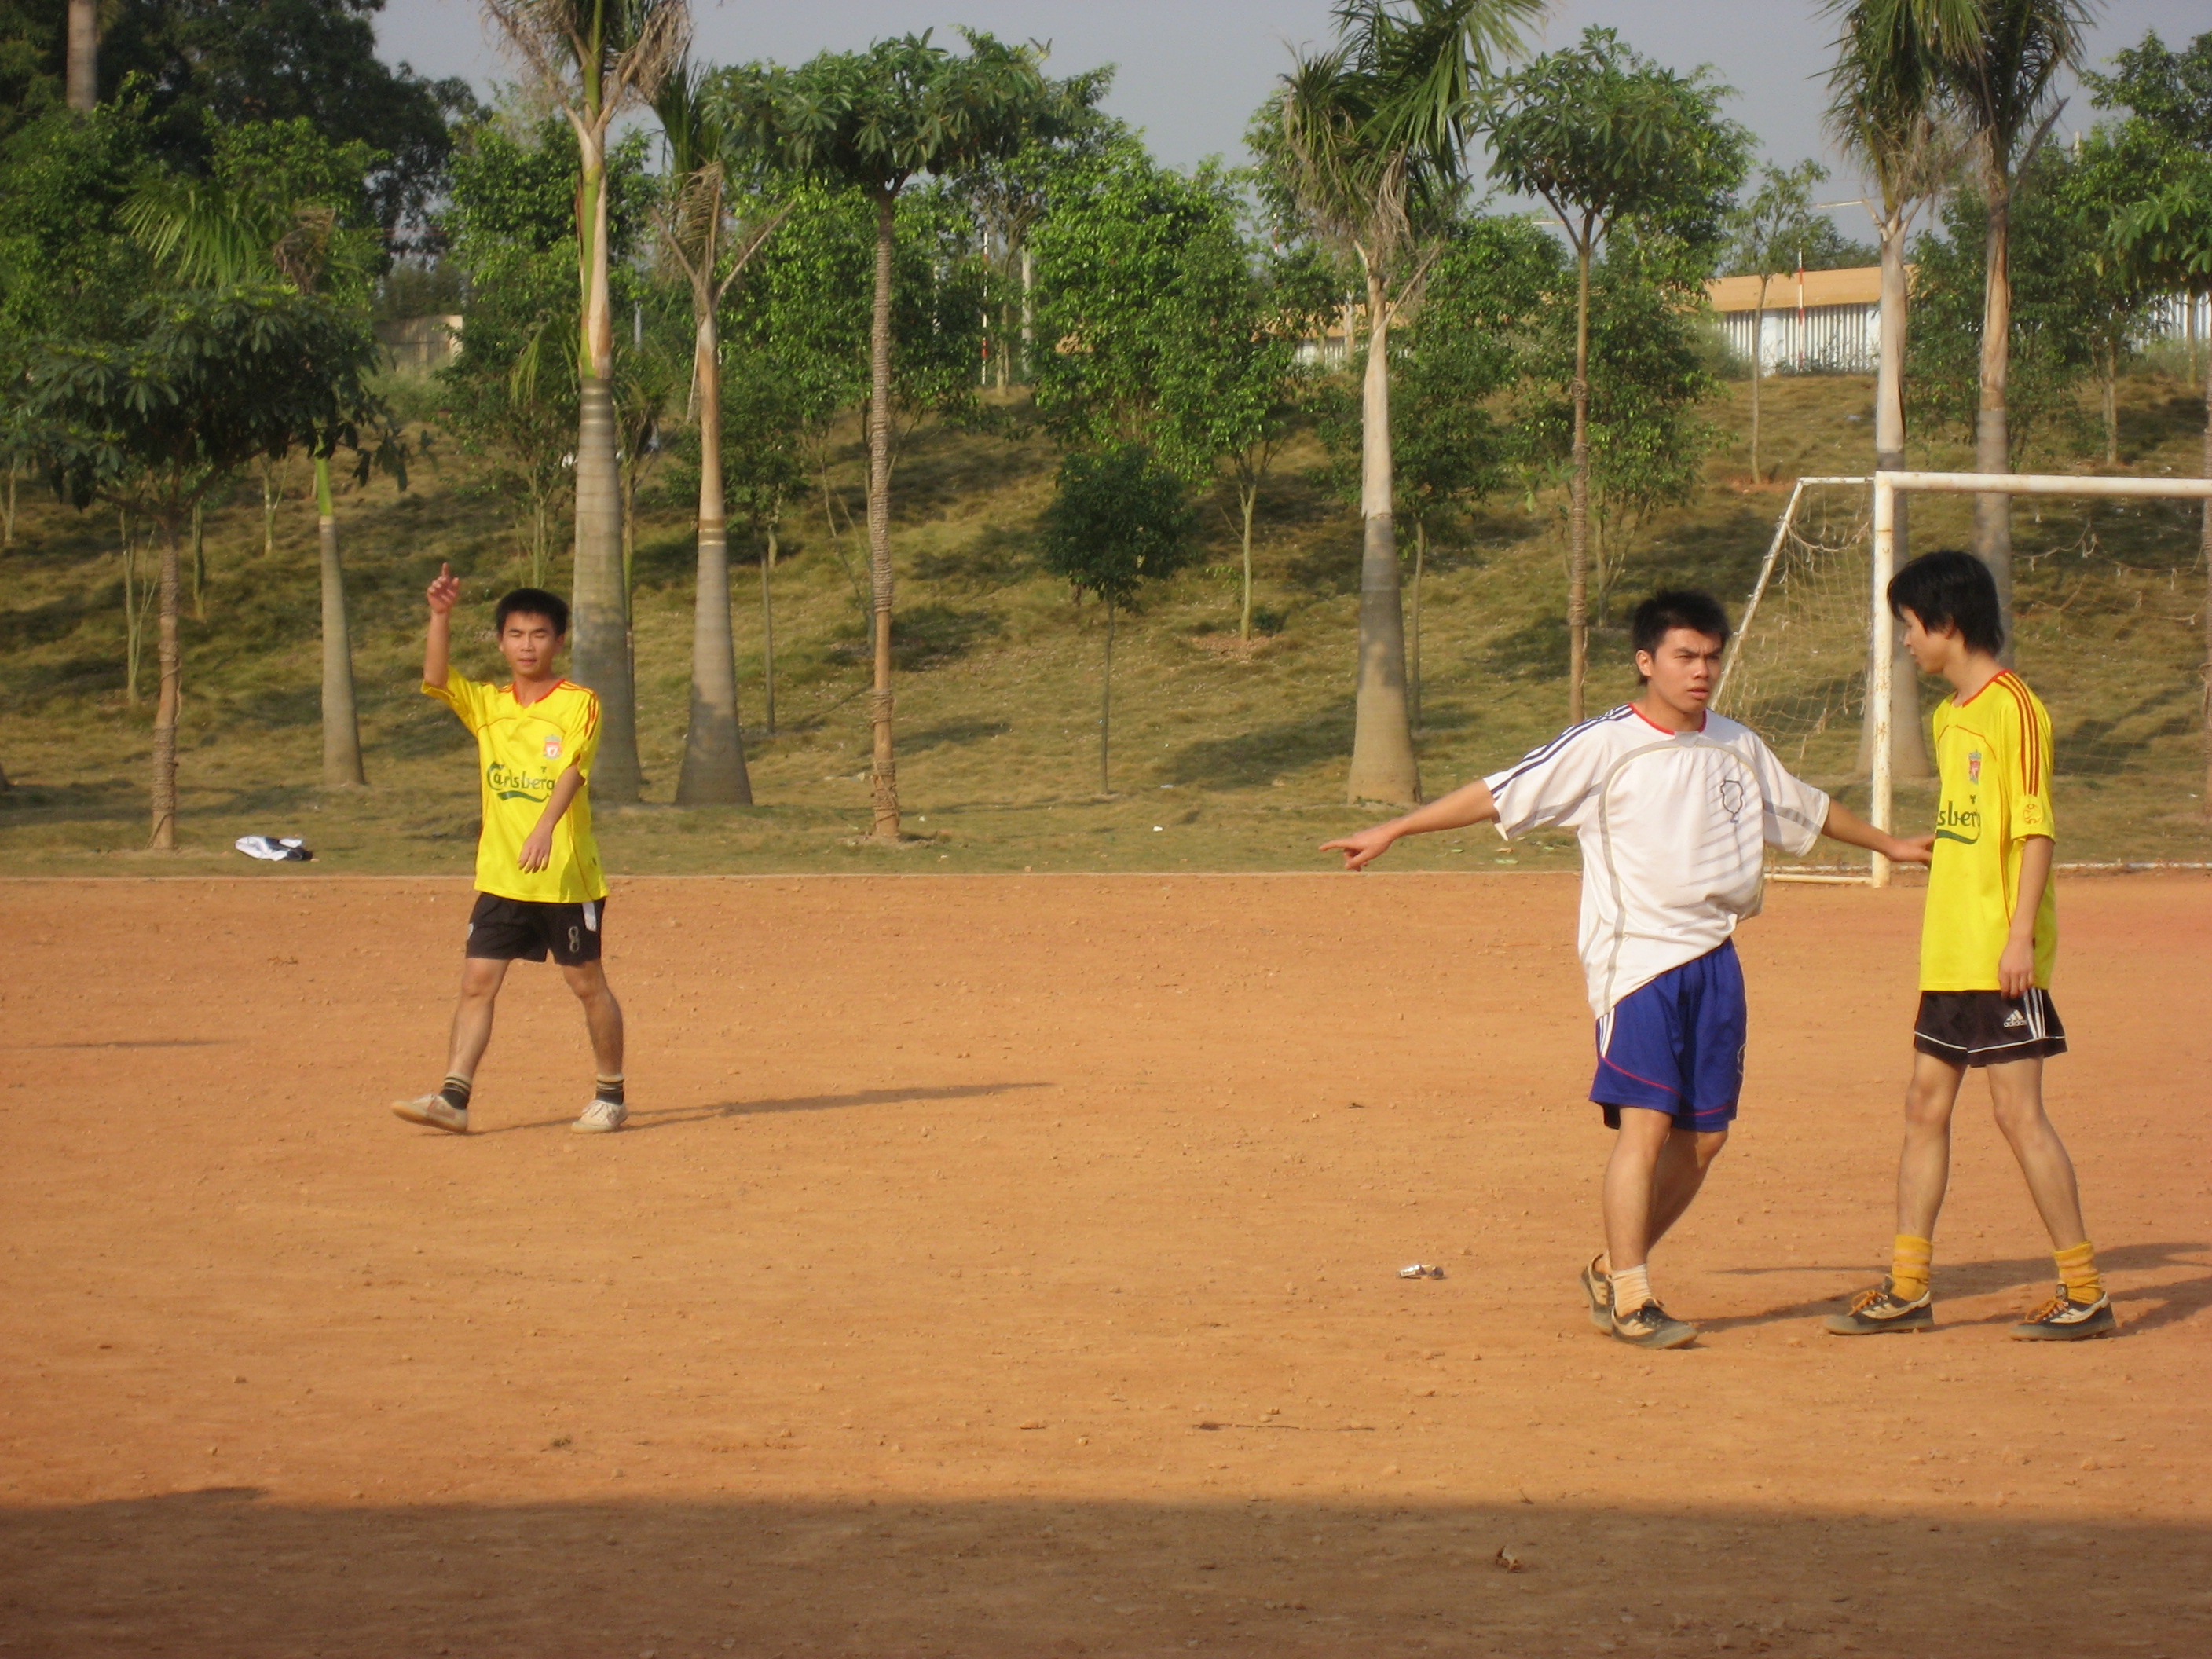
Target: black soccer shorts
(518, 930)
(1988, 1028)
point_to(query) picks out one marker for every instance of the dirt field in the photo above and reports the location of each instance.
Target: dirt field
(1006, 1266)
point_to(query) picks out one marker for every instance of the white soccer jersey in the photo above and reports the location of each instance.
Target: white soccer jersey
(1673, 827)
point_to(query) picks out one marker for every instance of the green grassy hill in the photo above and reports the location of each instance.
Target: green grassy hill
(1222, 758)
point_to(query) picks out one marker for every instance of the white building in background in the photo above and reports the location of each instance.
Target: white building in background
(1816, 321)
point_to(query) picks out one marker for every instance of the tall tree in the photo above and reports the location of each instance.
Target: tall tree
(594, 58)
(1371, 133)
(1772, 230)
(284, 205)
(2000, 79)
(203, 382)
(1601, 134)
(2166, 232)
(702, 240)
(876, 120)
(1122, 518)
(1884, 115)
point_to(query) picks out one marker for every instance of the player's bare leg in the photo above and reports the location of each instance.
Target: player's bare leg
(603, 1018)
(2016, 1098)
(1923, 1168)
(448, 1109)
(1635, 1211)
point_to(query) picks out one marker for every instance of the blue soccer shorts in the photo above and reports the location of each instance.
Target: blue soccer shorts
(1675, 1045)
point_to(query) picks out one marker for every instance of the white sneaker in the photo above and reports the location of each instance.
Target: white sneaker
(601, 1117)
(435, 1110)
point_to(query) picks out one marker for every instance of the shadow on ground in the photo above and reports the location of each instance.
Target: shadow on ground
(225, 1571)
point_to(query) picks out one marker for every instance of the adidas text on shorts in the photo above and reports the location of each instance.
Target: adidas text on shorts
(1988, 1028)
(522, 930)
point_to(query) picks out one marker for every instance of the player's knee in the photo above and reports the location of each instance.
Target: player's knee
(1708, 1144)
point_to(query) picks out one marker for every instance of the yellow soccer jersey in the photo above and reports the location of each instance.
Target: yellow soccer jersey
(523, 752)
(1994, 754)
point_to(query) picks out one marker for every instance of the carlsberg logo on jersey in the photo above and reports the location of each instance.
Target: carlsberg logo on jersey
(1961, 823)
(510, 783)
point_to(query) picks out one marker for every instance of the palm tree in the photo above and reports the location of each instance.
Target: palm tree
(699, 238)
(593, 59)
(1884, 114)
(875, 121)
(1372, 132)
(82, 87)
(1999, 78)
(223, 231)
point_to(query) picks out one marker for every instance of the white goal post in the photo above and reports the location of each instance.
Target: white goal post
(1886, 488)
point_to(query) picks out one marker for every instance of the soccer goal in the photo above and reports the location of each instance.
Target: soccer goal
(2110, 627)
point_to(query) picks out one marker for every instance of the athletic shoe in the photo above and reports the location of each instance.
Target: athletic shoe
(1881, 1310)
(1652, 1326)
(436, 1111)
(1599, 1289)
(2062, 1319)
(601, 1117)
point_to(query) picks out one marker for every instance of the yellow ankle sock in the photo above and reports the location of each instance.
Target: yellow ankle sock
(2077, 1271)
(1909, 1261)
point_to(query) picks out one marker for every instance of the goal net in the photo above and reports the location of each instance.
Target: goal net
(2110, 629)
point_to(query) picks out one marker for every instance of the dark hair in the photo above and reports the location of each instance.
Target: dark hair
(1671, 608)
(531, 602)
(1950, 589)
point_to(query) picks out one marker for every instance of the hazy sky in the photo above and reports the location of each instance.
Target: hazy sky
(1191, 71)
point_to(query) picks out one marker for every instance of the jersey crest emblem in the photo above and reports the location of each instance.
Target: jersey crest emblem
(1974, 764)
(553, 752)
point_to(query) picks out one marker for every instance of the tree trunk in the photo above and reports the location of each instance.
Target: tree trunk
(133, 621)
(342, 767)
(1579, 499)
(1029, 317)
(8, 511)
(714, 744)
(2108, 377)
(1413, 645)
(1758, 372)
(1106, 705)
(268, 493)
(1248, 495)
(885, 826)
(164, 838)
(84, 82)
(199, 566)
(1992, 437)
(1908, 743)
(1383, 764)
(600, 642)
(768, 633)
(2204, 551)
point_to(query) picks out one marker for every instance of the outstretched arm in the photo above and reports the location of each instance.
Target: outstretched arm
(437, 648)
(538, 846)
(1468, 803)
(1848, 827)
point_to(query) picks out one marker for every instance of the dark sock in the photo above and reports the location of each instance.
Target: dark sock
(610, 1090)
(455, 1093)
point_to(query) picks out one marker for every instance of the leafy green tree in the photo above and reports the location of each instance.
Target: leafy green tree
(593, 59)
(201, 383)
(1772, 230)
(764, 427)
(277, 207)
(1368, 153)
(1121, 518)
(2000, 79)
(1604, 136)
(877, 121)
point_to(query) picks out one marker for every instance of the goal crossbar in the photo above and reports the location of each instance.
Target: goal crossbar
(1886, 488)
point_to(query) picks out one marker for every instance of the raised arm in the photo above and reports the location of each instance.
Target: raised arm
(1468, 803)
(437, 646)
(1848, 827)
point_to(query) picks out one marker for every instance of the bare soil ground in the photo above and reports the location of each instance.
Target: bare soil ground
(1007, 1267)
